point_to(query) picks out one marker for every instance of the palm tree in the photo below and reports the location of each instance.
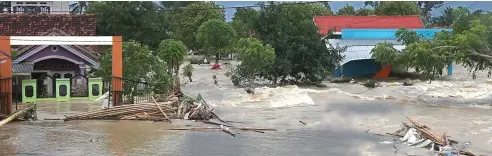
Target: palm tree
(78, 7)
(446, 19)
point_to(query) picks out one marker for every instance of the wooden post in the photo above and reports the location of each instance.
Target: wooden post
(5, 77)
(117, 70)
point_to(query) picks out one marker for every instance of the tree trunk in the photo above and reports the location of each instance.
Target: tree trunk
(217, 58)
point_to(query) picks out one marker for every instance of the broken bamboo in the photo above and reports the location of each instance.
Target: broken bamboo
(161, 110)
(17, 114)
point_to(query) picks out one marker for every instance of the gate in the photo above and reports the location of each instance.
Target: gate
(46, 87)
(79, 86)
(134, 92)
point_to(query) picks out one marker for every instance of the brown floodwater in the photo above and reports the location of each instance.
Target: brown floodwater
(336, 125)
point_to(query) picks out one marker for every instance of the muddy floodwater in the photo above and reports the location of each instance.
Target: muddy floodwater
(341, 120)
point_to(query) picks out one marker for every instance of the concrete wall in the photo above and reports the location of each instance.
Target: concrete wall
(384, 33)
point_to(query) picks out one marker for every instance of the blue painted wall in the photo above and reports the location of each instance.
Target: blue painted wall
(384, 33)
(358, 68)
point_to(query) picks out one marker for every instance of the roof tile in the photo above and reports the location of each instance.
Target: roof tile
(326, 23)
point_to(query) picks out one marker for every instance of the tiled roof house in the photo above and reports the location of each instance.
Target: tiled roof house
(337, 23)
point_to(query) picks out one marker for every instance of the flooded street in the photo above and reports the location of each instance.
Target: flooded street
(337, 119)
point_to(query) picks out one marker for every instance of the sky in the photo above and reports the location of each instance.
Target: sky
(473, 5)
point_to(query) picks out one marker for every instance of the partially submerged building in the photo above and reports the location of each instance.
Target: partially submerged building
(360, 34)
(44, 65)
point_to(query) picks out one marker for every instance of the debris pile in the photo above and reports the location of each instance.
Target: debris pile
(419, 135)
(26, 113)
(167, 108)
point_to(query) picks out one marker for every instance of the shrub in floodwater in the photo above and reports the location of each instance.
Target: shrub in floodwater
(188, 71)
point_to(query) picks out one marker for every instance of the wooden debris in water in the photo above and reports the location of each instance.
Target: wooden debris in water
(441, 141)
(168, 108)
(27, 113)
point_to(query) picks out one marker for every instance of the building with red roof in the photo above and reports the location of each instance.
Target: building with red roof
(337, 23)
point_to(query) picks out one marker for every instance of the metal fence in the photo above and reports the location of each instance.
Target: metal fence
(133, 91)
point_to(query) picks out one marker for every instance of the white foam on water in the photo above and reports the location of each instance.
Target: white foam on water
(362, 97)
(467, 90)
(285, 96)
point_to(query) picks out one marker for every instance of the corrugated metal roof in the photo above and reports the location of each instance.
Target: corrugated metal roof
(22, 68)
(360, 49)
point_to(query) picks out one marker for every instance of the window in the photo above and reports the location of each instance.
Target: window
(31, 2)
(29, 91)
(63, 90)
(67, 75)
(55, 66)
(69, 66)
(20, 3)
(56, 76)
(61, 66)
(95, 90)
(42, 2)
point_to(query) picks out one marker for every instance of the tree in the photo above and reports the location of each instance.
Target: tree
(78, 7)
(5, 7)
(346, 10)
(188, 71)
(385, 54)
(419, 53)
(364, 12)
(138, 65)
(243, 21)
(426, 8)
(299, 52)
(255, 57)
(394, 8)
(446, 19)
(133, 20)
(216, 37)
(186, 21)
(174, 4)
(173, 53)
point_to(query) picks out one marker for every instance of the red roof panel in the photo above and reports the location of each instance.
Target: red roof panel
(326, 23)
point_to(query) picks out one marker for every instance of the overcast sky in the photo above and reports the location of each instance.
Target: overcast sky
(473, 5)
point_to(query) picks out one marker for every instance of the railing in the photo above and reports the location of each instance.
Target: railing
(31, 9)
(132, 91)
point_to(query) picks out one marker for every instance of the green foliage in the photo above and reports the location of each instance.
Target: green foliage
(299, 53)
(426, 7)
(255, 57)
(346, 10)
(419, 53)
(138, 65)
(174, 4)
(446, 19)
(364, 12)
(173, 53)
(186, 22)
(395, 8)
(407, 36)
(216, 37)
(188, 71)
(134, 20)
(385, 54)
(244, 21)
